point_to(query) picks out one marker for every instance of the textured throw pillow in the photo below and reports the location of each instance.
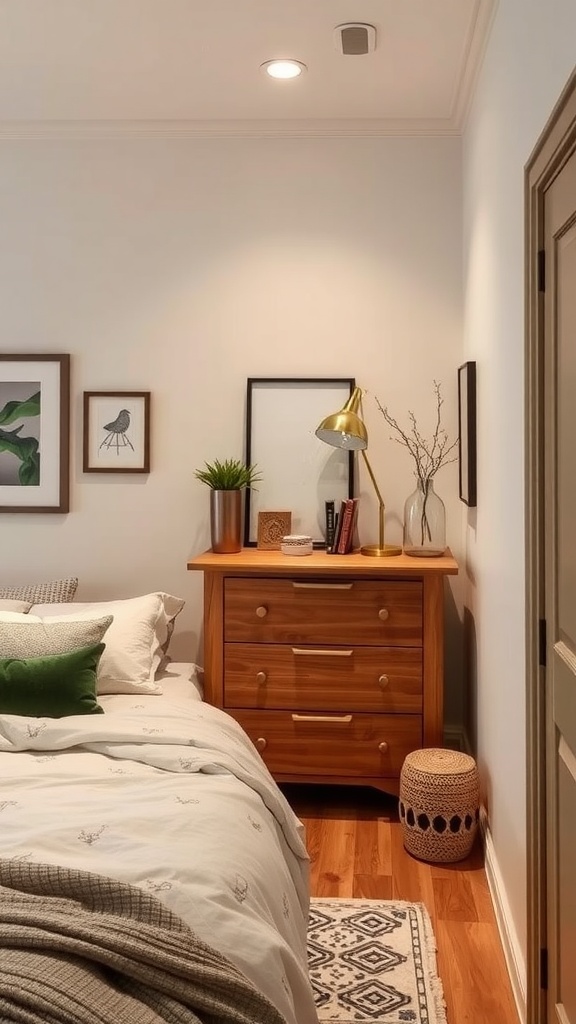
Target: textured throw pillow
(60, 591)
(54, 686)
(27, 636)
(15, 606)
(135, 642)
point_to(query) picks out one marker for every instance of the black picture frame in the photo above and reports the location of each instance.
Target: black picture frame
(467, 433)
(299, 472)
(35, 420)
(121, 445)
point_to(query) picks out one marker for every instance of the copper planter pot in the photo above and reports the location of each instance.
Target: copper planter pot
(226, 521)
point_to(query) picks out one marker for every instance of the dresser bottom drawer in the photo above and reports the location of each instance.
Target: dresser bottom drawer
(331, 744)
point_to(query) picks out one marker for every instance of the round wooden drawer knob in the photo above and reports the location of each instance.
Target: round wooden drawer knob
(383, 681)
(383, 747)
(261, 743)
(262, 611)
(260, 678)
(383, 614)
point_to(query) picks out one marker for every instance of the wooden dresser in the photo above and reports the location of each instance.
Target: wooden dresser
(333, 664)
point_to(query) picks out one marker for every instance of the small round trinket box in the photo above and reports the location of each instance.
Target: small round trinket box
(296, 544)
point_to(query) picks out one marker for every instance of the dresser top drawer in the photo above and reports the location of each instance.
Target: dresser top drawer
(280, 611)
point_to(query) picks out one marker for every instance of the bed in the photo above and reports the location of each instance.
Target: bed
(165, 793)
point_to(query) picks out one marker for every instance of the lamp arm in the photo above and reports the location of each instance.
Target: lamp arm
(379, 496)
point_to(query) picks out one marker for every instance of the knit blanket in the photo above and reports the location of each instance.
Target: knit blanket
(80, 948)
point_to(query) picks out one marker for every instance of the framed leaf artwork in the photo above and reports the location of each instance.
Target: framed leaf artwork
(34, 433)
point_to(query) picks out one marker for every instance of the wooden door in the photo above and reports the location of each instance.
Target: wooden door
(559, 395)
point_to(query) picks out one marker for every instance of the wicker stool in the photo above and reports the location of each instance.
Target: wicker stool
(439, 804)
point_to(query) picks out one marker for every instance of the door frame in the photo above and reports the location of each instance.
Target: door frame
(555, 145)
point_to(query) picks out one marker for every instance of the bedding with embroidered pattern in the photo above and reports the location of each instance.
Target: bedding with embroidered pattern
(173, 799)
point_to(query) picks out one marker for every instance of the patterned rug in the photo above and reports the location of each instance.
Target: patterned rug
(373, 960)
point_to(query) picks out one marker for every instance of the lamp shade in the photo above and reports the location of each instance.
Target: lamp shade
(345, 429)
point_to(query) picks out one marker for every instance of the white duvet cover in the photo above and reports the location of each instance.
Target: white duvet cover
(168, 795)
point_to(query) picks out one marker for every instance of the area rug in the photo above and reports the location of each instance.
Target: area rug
(373, 960)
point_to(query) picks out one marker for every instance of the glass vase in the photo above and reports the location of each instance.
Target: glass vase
(424, 522)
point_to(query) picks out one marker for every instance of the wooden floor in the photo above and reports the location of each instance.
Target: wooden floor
(355, 843)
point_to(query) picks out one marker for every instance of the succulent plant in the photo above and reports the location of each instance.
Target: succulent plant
(230, 475)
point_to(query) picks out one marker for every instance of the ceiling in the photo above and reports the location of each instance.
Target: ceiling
(193, 66)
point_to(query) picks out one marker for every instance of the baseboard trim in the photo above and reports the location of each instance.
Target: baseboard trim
(512, 949)
(455, 738)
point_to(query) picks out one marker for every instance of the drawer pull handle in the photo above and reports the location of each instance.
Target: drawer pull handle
(383, 680)
(323, 586)
(261, 743)
(260, 678)
(322, 718)
(383, 614)
(329, 653)
(383, 747)
(261, 611)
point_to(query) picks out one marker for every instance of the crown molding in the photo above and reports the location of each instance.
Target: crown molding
(288, 129)
(471, 62)
(483, 14)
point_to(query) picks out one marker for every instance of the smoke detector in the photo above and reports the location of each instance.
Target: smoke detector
(355, 38)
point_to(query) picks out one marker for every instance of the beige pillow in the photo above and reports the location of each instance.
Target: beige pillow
(46, 593)
(15, 606)
(27, 636)
(135, 641)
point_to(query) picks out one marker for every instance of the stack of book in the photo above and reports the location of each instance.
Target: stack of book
(340, 526)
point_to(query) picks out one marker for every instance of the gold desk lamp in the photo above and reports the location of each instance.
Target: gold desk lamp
(345, 429)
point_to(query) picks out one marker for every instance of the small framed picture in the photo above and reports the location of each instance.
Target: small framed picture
(272, 527)
(116, 432)
(467, 433)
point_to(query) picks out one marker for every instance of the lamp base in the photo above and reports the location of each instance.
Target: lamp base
(385, 552)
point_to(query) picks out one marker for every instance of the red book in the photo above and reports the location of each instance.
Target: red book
(353, 528)
(345, 538)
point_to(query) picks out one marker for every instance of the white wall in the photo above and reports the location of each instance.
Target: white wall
(529, 58)
(185, 266)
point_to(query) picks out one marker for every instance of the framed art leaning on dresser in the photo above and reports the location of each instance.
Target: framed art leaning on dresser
(298, 472)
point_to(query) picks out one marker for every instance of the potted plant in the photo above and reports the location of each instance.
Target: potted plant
(226, 481)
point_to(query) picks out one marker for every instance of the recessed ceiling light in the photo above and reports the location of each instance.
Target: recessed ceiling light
(283, 68)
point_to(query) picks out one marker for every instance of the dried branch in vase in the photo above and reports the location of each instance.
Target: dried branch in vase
(429, 454)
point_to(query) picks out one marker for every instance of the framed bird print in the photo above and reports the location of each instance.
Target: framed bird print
(116, 432)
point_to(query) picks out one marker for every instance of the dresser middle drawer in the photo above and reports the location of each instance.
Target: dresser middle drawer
(315, 678)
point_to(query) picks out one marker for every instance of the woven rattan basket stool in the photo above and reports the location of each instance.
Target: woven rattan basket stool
(439, 804)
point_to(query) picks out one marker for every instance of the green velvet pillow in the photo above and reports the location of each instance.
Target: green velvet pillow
(53, 686)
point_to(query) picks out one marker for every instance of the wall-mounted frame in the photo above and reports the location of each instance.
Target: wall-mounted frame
(299, 472)
(116, 432)
(467, 433)
(34, 433)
